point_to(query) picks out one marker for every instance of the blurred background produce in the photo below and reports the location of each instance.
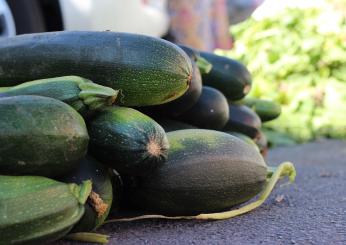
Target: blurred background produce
(297, 57)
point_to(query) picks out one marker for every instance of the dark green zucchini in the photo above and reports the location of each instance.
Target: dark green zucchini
(100, 201)
(206, 171)
(211, 110)
(118, 190)
(172, 125)
(184, 102)
(147, 70)
(267, 110)
(245, 138)
(40, 136)
(82, 94)
(243, 120)
(127, 140)
(229, 76)
(203, 65)
(37, 210)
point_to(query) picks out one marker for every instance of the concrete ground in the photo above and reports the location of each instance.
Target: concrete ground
(310, 211)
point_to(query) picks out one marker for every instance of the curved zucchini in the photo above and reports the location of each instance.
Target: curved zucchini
(100, 200)
(38, 210)
(229, 76)
(147, 70)
(211, 110)
(206, 171)
(267, 110)
(243, 120)
(127, 140)
(82, 94)
(40, 136)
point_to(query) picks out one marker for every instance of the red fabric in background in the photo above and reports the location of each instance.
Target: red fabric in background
(202, 24)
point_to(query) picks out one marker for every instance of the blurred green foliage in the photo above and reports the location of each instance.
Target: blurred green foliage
(298, 58)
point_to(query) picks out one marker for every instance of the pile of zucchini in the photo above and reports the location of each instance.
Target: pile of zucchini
(95, 122)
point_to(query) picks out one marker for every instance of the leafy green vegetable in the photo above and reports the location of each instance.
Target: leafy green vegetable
(298, 58)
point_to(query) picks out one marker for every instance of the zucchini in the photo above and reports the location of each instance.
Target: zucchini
(229, 76)
(118, 190)
(245, 138)
(211, 110)
(147, 70)
(40, 136)
(203, 65)
(127, 140)
(82, 94)
(184, 102)
(100, 201)
(267, 110)
(243, 120)
(206, 171)
(262, 143)
(37, 210)
(171, 125)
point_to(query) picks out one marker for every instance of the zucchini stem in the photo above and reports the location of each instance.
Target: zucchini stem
(81, 192)
(270, 172)
(88, 237)
(96, 96)
(284, 169)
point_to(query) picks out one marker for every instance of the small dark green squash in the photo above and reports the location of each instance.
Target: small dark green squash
(229, 76)
(267, 110)
(127, 140)
(244, 120)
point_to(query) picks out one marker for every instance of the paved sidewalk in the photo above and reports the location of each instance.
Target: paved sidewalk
(310, 211)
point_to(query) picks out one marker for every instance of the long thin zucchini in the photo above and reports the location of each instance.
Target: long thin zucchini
(82, 94)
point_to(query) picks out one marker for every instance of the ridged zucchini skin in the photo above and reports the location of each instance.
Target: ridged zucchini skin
(40, 136)
(90, 169)
(229, 76)
(37, 210)
(80, 93)
(244, 120)
(206, 171)
(267, 110)
(210, 112)
(127, 140)
(187, 100)
(147, 70)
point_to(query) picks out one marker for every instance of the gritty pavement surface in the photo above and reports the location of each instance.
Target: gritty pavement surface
(310, 211)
